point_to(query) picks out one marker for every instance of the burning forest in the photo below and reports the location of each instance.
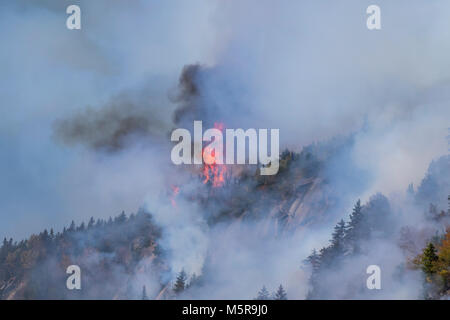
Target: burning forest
(202, 153)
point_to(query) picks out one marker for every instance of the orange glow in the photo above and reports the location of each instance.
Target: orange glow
(213, 172)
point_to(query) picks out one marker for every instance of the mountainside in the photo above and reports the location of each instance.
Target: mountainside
(128, 257)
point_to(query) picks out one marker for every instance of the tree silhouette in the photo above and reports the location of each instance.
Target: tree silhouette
(429, 258)
(263, 294)
(280, 294)
(180, 283)
(144, 293)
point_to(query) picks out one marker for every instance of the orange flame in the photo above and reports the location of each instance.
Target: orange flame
(213, 172)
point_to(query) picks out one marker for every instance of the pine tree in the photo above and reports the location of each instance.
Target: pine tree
(91, 222)
(81, 227)
(144, 293)
(180, 283)
(338, 238)
(429, 258)
(72, 226)
(121, 218)
(263, 294)
(314, 260)
(280, 294)
(355, 228)
(410, 191)
(99, 223)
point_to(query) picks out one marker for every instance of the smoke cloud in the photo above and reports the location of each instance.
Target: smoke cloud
(367, 112)
(113, 126)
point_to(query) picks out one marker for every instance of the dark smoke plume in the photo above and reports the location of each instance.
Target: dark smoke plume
(188, 95)
(111, 128)
(202, 95)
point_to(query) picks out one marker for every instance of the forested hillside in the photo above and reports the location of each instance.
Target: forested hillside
(109, 253)
(128, 257)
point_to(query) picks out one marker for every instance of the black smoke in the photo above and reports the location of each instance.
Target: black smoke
(120, 123)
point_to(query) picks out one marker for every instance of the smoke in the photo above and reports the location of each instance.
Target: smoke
(185, 235)
(188, 96)
(114, 126)
(310, 69)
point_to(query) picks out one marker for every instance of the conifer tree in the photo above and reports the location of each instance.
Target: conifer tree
(428, 261)
(72, 226)
(314, 260)
(144, 293)
(410, 191)
(180, 283)
(429, 258)
(121, 218)
(338, 238)
(81, 227)
(263, 294)
(280, 294)
(355, 226)
(91, 223)
(99, 223)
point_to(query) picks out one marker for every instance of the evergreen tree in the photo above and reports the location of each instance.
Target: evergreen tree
(428, 261)
(429, 258)
(338, 238)
(263, 294)
(180, 283)
(144, 293)
(45, 235)
(280, 294)
(314, 260)
(99, 223)
(72, 226)
(91, 222)
(81, 227)
(355, 228)
(410, 191)
(121, 218)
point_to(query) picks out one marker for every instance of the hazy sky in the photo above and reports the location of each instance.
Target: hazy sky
(311, 69)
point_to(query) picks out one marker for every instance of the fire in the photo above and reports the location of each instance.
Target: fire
(213, 172)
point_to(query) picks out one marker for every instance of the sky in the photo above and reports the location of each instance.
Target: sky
(311, 69)
(49, 71)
